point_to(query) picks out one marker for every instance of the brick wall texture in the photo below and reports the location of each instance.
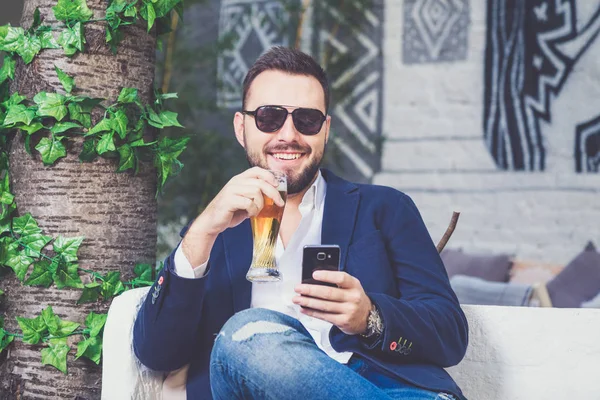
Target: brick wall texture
(433, 122)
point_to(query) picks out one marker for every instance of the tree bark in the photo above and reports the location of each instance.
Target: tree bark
(115, 212)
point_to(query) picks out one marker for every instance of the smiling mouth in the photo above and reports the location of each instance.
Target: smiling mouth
(286, 156)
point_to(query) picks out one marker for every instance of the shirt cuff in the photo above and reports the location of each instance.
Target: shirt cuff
(184, 269)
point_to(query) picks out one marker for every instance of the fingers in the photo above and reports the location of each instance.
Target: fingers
(262, 179)
(320, 305)
(321, 292)
(260, 173)
(341, 279)
(244, 203)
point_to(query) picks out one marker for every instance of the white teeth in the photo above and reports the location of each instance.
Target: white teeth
(286, 156)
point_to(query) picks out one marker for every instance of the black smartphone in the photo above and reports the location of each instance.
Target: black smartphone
(319, 257)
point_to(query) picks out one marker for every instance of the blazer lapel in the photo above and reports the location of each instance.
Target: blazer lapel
(339, 215)
(238, 253)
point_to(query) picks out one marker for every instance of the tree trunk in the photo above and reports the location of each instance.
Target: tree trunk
(115, 212)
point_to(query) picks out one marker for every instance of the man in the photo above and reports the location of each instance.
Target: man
(386, 331)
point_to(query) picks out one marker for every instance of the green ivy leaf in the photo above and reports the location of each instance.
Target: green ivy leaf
(165, 96)
(26, 225)
(72, 39)
(127, 159)
(102, 126)
(51, 150)
(88, 153)
(56, 355)
(169, 118)
(90, 293)
(8, 248)
(47, 39)
(61, 127)
(77, 113)
(66, 275)
(30, 47)
(95, 322)
(106, 143)
(16, 98)
(31, 129)
(112, 285)
(19, 114)
(19, 262)
(33, 329)
(72, 10)
(41, 275)
(34, 244)
(119, 123)
(90, 348)
(5, 340)
(8, 69)
(50, 319)
(149, 14)
(141, 143)
(56, 326)
(51, 105)
(153, 118)
(68, 247)
(143, 271)
(11, 38)
(66, 81)
(164, 7)
(128, 95)
(37, 19)
(166, 157)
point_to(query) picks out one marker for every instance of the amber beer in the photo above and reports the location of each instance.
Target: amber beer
(265, 229)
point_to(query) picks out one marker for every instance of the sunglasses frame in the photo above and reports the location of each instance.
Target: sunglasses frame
(285, 108)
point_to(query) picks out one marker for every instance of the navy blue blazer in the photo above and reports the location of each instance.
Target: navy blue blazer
(384, 244)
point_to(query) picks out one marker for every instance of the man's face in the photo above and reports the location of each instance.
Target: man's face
(298, 156)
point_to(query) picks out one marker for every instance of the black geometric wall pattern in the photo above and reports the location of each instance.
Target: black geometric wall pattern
(258, 25)
(351, 53)
(587, 146)
(435, 30)
(532, 47)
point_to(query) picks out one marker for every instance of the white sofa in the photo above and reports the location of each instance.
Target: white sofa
(514, 353)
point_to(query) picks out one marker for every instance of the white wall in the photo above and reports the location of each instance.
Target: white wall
(435, 151)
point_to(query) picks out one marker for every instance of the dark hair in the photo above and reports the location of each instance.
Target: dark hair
(288, 60)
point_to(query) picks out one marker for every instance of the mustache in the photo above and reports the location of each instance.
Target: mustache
(288, 147)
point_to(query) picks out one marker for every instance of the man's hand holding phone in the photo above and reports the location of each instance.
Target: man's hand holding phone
(346, 306)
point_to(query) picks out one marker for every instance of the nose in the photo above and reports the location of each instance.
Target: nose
(288, 132)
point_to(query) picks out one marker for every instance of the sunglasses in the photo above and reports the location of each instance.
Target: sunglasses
(269, 119)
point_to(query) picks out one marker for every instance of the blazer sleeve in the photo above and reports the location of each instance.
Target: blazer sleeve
(166, 330)
(425, 324)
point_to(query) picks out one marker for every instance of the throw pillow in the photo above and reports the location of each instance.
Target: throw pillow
(578, 282)
(493, 268)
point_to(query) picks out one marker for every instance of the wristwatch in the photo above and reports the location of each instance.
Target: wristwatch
(374, 323)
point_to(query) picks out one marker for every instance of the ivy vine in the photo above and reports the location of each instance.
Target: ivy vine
(50, 120)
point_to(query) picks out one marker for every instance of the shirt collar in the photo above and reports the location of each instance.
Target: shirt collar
(315, 195)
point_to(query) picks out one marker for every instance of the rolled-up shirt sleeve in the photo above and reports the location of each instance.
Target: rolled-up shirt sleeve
(184, 269)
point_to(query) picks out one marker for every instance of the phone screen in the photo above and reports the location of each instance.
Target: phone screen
(321, 257)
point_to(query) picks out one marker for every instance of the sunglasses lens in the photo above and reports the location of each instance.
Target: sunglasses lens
(270, 119)
(308, 121)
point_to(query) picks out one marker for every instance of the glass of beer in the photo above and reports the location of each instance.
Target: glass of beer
(265, 229)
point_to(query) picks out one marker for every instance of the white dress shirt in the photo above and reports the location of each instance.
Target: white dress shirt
(278, 295)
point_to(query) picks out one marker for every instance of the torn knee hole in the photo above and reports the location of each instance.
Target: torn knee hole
(259, 328)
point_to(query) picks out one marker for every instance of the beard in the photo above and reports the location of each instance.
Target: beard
(297, 181)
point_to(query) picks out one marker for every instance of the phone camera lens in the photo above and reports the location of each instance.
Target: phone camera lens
(320, 256)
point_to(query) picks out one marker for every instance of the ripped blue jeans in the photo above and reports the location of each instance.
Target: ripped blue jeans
(264, 354)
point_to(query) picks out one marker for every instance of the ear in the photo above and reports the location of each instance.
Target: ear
(238, 126)
(327, 126)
